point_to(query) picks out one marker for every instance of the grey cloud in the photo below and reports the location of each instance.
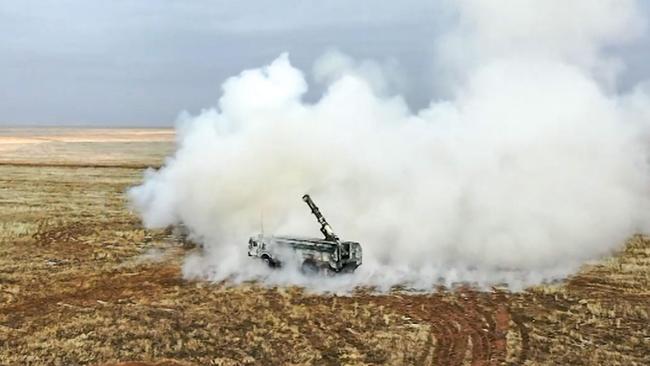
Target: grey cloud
(142, 62)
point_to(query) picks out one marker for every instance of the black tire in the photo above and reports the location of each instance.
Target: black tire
(309, 268)
(348, 268)
(269, 262)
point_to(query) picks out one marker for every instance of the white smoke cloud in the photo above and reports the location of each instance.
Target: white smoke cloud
(532, 168)
(575, 32)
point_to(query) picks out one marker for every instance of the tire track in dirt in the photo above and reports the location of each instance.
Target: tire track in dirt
(520, 322)
(500, 331)
(465, 325)
(86, 292)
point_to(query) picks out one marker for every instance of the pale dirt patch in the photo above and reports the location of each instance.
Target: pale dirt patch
(39, 135)
(10, 143)
(87, 147)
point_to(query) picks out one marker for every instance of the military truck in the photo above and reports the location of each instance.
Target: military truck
(314, 255)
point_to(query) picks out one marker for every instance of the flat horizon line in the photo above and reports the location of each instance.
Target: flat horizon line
(86, 126)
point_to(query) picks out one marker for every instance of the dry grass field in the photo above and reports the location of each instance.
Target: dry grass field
(81, 284)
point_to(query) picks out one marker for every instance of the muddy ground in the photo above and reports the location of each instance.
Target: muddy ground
(81, 282)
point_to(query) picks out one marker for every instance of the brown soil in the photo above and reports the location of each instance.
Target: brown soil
(77, 287)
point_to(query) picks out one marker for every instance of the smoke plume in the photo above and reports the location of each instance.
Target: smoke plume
(531, 167)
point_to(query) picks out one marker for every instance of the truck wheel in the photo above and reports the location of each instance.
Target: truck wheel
(349, 268)
(269, 262)
(309, 268)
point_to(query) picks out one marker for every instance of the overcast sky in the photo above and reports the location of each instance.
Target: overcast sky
(139, 63)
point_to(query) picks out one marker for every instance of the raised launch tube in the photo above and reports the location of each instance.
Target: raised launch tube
(325, 228)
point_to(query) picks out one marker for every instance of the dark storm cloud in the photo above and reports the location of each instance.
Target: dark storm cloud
(140, 63)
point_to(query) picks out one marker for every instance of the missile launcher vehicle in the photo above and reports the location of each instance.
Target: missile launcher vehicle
(326, 255)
